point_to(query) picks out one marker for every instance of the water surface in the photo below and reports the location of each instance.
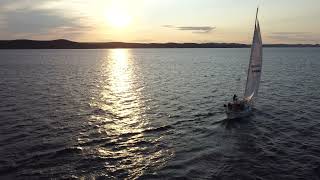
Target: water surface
(157, 114)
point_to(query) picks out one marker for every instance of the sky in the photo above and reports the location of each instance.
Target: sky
(200, 21)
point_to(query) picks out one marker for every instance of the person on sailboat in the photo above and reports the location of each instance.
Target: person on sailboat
(235, 98)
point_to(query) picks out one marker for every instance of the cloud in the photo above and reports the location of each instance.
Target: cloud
(32, 23)
(9, 5)
(294, 37)
(194, 29)
(168, 26)
(290, 33)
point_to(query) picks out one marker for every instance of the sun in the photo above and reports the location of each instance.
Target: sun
(118, 17)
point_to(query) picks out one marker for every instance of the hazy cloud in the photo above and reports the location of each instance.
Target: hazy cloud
(294, 37)
(34, 21)
(194, 29)
(168, 26)
(29, 23)
(10, 5)
(290, 33)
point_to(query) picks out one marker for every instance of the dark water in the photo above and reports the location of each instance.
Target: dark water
(157, 114)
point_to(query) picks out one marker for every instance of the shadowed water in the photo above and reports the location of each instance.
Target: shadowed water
(157, 114)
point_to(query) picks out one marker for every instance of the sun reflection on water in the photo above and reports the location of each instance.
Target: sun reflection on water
(120, 117)
(120, 71)
(119, 100)
(125, 103)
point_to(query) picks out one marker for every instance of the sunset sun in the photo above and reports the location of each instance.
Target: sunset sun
(117, 17)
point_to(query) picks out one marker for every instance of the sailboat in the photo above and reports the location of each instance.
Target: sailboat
(242, 108)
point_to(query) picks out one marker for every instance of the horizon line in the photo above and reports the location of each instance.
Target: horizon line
(137, 42)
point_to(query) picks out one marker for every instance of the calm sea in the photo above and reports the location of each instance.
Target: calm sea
(157, 114)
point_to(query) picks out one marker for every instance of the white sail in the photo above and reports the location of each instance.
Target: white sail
(255, 65)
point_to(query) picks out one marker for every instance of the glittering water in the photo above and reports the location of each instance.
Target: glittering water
(157, 114)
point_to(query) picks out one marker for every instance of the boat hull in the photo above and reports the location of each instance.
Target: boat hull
(235, 114)
(238, 114)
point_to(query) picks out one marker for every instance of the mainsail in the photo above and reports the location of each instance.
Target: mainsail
(255, 64)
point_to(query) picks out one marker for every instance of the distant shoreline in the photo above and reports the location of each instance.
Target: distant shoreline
(66, 44)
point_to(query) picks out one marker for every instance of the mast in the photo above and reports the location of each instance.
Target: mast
(257, 15)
